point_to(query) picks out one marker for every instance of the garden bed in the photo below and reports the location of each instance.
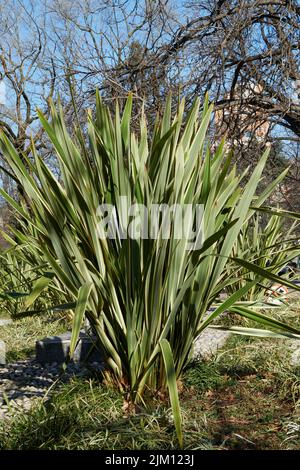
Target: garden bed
(245, 397)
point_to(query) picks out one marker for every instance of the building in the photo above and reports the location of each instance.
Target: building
(238, 120)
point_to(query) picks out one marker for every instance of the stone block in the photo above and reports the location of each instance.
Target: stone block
(56, 349)
(5, 321)
(2, 353)
(208, 343)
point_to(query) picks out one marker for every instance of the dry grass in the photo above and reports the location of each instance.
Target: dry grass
(21, 335)
(247, 397)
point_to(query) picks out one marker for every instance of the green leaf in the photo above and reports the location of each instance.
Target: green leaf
(38, 287)
(264, 273)
(125, 123)
(82, 301)
(278, 212)
(263, 319)
(256, 332)
(172, 386)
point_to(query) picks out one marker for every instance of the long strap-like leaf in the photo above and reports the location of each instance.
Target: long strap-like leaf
(83, 297)
(172, 386)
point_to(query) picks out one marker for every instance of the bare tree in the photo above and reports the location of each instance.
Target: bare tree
(28, 81)
(245, 53)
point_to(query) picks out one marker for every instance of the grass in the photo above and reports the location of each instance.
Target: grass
(246, 397)
(84, 415)
(21, 335)
(203, 376)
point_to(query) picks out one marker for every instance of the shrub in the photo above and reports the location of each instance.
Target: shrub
(145, 298)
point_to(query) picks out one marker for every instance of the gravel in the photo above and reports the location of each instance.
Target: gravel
(24, 382)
